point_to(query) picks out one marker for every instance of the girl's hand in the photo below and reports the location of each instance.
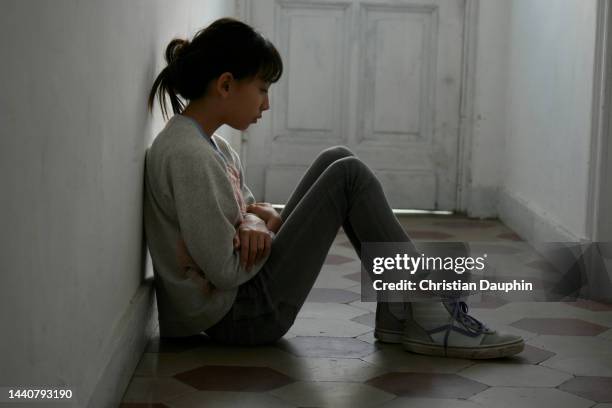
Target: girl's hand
(266, 212)
(254, 241)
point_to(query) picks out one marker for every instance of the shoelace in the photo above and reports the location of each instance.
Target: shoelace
(473, 326)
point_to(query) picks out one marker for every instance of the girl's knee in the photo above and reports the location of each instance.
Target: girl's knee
(336, 152)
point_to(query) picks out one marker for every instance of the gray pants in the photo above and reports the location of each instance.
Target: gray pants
(338, 190)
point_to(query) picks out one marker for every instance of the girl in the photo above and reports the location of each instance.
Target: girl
(234, 268)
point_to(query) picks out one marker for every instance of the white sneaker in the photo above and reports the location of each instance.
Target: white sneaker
(444, 329)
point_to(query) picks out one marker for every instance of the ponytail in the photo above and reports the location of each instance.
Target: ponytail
(227, 45)
(163, 84)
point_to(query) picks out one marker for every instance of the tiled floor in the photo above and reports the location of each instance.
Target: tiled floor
(330, 358)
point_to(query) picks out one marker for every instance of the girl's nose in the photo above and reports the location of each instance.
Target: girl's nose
(266, 104)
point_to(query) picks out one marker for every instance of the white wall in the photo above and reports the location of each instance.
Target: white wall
(74, 80)
(548, 117)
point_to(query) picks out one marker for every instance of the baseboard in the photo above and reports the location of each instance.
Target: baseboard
(130, 337)
(530, 223)
(536, 228)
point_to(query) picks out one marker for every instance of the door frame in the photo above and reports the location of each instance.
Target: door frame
(243, 9)
(599, 196)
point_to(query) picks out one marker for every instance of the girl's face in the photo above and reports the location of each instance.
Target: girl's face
(248, 100)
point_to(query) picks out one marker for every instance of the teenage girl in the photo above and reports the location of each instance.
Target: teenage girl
(235, 268)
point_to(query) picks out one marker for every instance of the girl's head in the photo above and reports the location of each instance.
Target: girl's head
(227, 53)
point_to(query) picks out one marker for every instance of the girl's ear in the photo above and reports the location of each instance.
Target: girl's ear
(224, 83)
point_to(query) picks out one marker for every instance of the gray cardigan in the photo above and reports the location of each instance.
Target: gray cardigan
(189, 194)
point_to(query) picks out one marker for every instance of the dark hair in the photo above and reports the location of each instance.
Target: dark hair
(227, 45)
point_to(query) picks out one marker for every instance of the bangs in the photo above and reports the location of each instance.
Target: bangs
(270, 64)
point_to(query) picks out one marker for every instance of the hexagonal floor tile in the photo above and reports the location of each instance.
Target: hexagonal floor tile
(596, 366)
(513, 397)
(368, 319)
(529, 355)
(176, 345)
(572, 346)
(598, 389)
(591, 305)
(332, 394)
(354, 276)
(514, 375)
(432, 385)
(394, 358)
(219, 399)
(405, 402)
(233, 378)
(319, 346)
(334, 259)
(152, 389)
(465, 224)
(329, 369)
(329, 311)
(559, 326)
(428, 234)
(322, 295)
(510, 236)
(327, 327)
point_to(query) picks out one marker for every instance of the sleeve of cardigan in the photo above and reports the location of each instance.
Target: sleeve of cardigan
(199, 198)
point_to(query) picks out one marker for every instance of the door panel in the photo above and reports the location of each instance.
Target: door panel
(381, 77)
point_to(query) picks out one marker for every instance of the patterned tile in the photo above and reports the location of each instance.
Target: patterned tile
(514, 375)
(427, 385)
(333, 259)
(330, 369)
(494, 248)
(334, 347)
(560, 326)
(371, 306)
(510, 236)
(355, 276)
(346, 244)
(322, 295)
(368, 319)
(596, 366)
(327, 327)
(176, 345)
(405, 402)
(527, 397)
(165, 364)
(394, 358)
(427, 234)
(529, 355)
(598, 389)
(218, 399)
(233, 378)
(465, 224)
(591, 305)
(151, 389)
(572, 346)
(329, 311)
(332, 394)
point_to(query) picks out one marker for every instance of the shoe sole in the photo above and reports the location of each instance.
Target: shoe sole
(481, 352)
(388, 336)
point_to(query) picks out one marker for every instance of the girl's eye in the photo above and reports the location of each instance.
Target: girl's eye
(264, 90)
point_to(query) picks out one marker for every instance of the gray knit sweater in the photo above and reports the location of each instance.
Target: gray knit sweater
(195, 193)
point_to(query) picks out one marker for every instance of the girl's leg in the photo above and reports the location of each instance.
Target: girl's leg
(345, 192)
(323, 160)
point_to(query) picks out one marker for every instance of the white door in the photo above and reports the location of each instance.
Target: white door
(381, 77)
